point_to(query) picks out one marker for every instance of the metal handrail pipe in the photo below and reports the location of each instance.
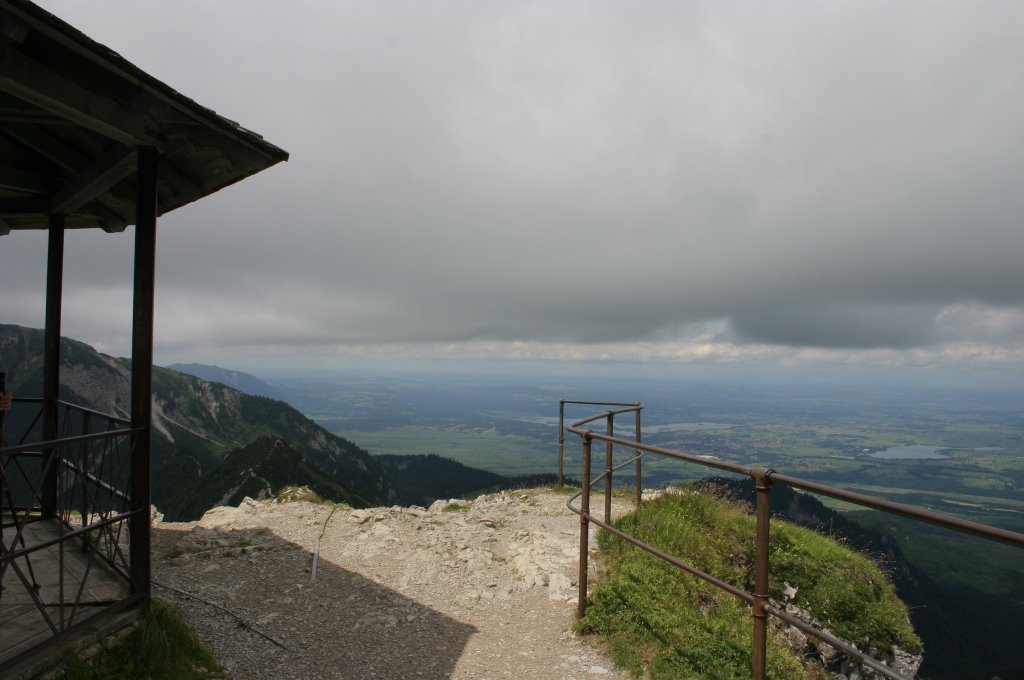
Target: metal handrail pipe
(832, 640)
(571, 427)
(65, 441)
(599, 416)
(945, 521)
(690, 569)
(604, 474)
(114, 491)
(601, 476)
(71, 405)
(603, 403)
(629, 443)
(622, 465)
(112, 563)
(15, 554)
(83, 409)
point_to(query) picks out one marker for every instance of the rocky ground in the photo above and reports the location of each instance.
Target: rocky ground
(471, 590)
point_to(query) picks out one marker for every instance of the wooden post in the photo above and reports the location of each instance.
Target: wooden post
(51, 361)
(142, 365)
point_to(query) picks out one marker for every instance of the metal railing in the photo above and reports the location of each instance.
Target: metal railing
(764, 478)
(64, 505)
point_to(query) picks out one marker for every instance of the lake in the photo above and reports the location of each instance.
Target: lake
(915, 452)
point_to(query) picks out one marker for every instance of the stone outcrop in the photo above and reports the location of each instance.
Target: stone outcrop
(492, 580)
(481, 589)
(838, 665)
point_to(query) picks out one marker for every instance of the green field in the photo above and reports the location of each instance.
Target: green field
(825, 433)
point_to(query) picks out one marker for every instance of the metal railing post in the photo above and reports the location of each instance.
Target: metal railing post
(639, 453)
(760, 615)
(561, 440)
(84, 451)
(608, 469)
(581, 607)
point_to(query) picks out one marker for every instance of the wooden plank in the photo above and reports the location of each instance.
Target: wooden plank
(35, 83)
(54, 150)
(28, 181)
(17, 207)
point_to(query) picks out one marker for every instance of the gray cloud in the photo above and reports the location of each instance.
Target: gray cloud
(853, 326)
(837, 175)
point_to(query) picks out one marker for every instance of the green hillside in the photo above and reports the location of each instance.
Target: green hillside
(196, 425)
(423, 479)
(259, 470)
(660, 621)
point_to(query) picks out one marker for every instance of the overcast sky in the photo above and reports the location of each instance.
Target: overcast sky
(698, 184)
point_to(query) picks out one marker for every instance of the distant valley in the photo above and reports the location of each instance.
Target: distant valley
(423, 436)
(967, 593)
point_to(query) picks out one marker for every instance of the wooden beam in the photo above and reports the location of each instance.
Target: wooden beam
(111, 167)
(37, 84)
(183, 187)
(54, 150)
(17, 207)
(33, 115)
(110, 221)
(28, 181)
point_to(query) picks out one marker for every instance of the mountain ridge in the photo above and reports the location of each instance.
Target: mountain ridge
(239, 380)
(196, 425)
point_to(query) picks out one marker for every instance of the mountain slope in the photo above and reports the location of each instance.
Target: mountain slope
(259, 470)
(964, 628)
(239, 380)
(423, 479)
(196, 424)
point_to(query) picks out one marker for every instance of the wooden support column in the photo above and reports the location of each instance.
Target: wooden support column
(51, 360)
(142, 364)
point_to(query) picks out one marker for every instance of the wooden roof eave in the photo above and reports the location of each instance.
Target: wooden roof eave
(86, 125)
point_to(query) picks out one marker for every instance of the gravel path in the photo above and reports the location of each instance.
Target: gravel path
(487, 591)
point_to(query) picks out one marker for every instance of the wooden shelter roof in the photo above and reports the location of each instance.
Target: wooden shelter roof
(72, 115)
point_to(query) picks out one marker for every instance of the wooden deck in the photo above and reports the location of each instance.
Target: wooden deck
(39, 578)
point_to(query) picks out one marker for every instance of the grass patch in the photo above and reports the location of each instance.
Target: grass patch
(455, 507)
(292, 493)
(163, 647)
(659, 620)
(563, 489)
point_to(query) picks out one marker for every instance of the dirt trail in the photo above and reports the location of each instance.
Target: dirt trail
(487, 591)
